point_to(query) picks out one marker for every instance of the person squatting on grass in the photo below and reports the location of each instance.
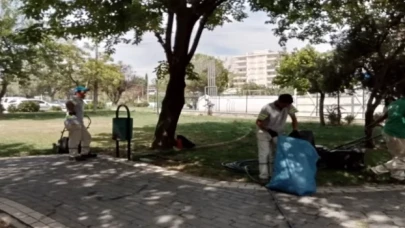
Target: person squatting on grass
(270, 123)
(394, 134)
(78, 133)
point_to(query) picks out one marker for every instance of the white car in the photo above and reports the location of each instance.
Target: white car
(7, 101)
(43, 105)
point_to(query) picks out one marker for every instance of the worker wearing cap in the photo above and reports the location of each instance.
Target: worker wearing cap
(79, 136)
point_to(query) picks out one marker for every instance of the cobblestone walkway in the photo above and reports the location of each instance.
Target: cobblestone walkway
(108, 193)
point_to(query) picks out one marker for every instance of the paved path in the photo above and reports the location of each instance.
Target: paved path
(108, 193)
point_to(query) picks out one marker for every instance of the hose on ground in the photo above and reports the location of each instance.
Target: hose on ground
(274, 198)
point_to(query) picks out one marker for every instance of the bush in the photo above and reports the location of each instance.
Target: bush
(1, 108)
(333, 115)
(28, 106)
(349, 119)
(100, 105)
(12, 109)
(56, 108)
(142, 104)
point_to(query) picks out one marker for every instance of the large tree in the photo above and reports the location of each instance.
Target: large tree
(172, 21)
(204, 65)
(310, 71)
(373, 50)
(16, 53)
(58, 67)
(116, 79)
(369, 32)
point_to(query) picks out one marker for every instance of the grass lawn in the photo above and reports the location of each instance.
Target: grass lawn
(28, 134)
(32, 134)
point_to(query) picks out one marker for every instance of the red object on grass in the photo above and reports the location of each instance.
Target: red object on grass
(179, 144)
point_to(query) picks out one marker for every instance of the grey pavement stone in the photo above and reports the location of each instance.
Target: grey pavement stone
(106, 193)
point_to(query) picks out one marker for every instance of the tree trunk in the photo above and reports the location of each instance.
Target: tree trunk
(172, 105)
(116, 97)
(3, 91)
(339, 111)
(321, 109)
(52, 94)
(95, 96)
(372, 104)
(174, 99)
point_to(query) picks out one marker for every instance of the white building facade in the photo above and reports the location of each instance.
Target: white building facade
(257, 67)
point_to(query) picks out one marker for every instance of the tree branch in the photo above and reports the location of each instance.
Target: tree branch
(197, 38)
(169, 30)
(167, 43)
(203, 21)
(397, 51)
(395, 21)
(160, 40)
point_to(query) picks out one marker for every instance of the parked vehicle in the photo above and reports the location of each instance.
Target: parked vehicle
(43, 105)
(7, 101)
(62, 104)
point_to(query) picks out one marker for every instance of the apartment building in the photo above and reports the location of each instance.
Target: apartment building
(258, 67)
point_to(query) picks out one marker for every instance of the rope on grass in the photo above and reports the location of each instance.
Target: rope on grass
(197, 147)
(226, 142)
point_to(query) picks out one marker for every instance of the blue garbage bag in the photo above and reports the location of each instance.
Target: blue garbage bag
(294, 169)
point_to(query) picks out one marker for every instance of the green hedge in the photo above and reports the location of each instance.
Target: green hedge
(28, 106)
(100, 106)
(142, 104)
(56, 108)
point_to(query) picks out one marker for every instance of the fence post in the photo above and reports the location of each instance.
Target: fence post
(316, 105)
(246, 102)
(352, 110)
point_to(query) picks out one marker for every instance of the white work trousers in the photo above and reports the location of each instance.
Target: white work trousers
(266, 148)
(79, 136)
(395, 166)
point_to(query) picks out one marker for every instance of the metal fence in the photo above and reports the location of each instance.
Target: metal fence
(308, 105)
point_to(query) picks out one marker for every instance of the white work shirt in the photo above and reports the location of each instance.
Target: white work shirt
(276, 118)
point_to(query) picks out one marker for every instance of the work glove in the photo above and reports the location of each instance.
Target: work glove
(295, 134)
(272, 133)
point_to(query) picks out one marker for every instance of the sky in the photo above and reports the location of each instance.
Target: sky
(235, 38)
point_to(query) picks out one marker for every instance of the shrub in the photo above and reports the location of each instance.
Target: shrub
(28, 106)
(56, 108)
(100, 105)
(349, 119)
(1, 108)
(333, 115)
(142, 104)
(12, 109)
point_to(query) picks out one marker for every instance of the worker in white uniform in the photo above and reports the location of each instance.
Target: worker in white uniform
(79, 136)
(270, 123)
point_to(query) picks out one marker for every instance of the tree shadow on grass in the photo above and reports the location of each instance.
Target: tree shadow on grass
(20, 149)
(207, 162)
(199, 133)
